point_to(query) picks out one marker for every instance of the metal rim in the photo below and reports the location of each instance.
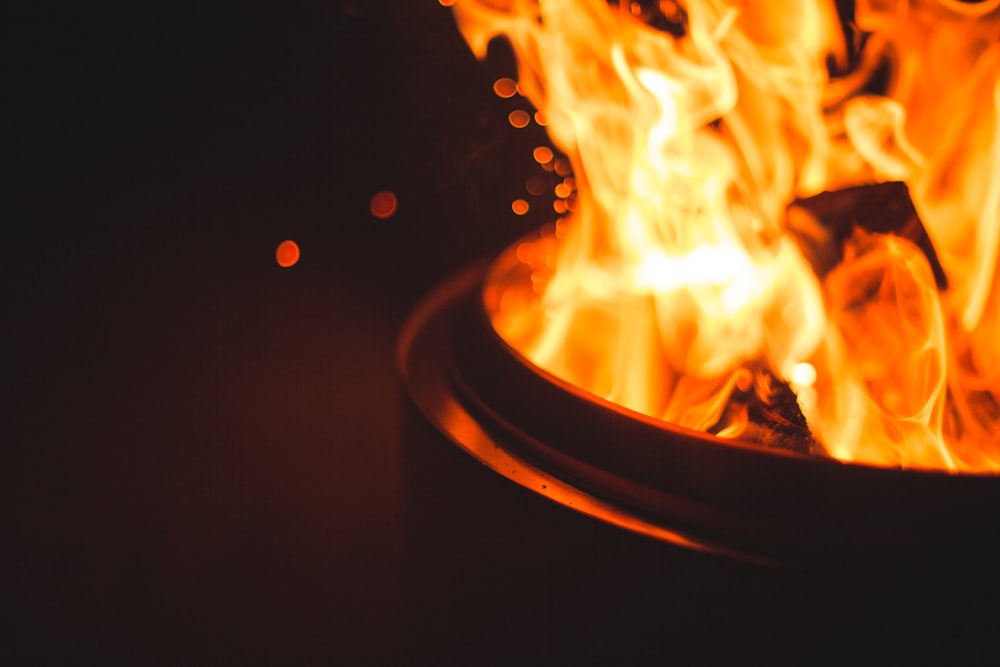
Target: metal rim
(423, 358)
(691, 490)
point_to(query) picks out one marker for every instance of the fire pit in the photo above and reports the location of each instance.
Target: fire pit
(767, 325)
(674, 484)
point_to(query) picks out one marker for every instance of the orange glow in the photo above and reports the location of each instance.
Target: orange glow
(505, 87)
(519, 206)
(447, 3)
(535, 186)
(383, 204)
(685, 259)
(519, 118)
(287, 254)
(543, 155)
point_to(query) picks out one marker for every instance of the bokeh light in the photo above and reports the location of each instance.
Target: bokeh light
(519, 118)
(287, 253)
(505, 87)
(383, 204)
(543, 155)
(535, 186)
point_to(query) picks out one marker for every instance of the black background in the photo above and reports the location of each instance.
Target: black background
(204, 448)
(210, 460)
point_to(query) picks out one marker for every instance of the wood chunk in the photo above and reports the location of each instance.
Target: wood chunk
(771, 412)
(765, 411)
(885, 208)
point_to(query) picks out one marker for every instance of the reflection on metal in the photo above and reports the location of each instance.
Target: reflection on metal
(422, 356)
(672, 484)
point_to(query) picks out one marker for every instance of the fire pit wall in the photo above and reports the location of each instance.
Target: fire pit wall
(493, 568)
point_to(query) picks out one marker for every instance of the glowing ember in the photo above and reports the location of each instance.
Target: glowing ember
(505, 87)
(543, 154)
(383, 204)
(519, 118)
(685, 270)
(287, 254)
(535, 186)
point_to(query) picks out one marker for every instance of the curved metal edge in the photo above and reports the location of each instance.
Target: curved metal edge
(422, 353)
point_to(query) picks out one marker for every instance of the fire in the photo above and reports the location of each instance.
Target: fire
(689, 267)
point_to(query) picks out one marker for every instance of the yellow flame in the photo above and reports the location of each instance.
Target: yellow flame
(675, 270)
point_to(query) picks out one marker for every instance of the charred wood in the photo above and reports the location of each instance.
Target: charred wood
(771, 413)
(823, 223)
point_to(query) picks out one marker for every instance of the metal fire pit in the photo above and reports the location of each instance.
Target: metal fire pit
(670, 483)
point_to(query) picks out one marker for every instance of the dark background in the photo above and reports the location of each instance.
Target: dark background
(210, 459)
(204, 450)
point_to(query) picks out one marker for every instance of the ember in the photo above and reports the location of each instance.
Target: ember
(763, 235)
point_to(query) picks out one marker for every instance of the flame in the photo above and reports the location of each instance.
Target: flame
(682, 264)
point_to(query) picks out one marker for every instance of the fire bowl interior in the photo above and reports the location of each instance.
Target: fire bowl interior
(670, 483)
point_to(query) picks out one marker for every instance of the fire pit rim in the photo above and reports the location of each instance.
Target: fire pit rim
(889, 506)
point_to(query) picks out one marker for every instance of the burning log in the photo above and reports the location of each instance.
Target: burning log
(694, 247)
(883, 208)
(765, 409)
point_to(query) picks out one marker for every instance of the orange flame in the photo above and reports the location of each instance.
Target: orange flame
(676, 268)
